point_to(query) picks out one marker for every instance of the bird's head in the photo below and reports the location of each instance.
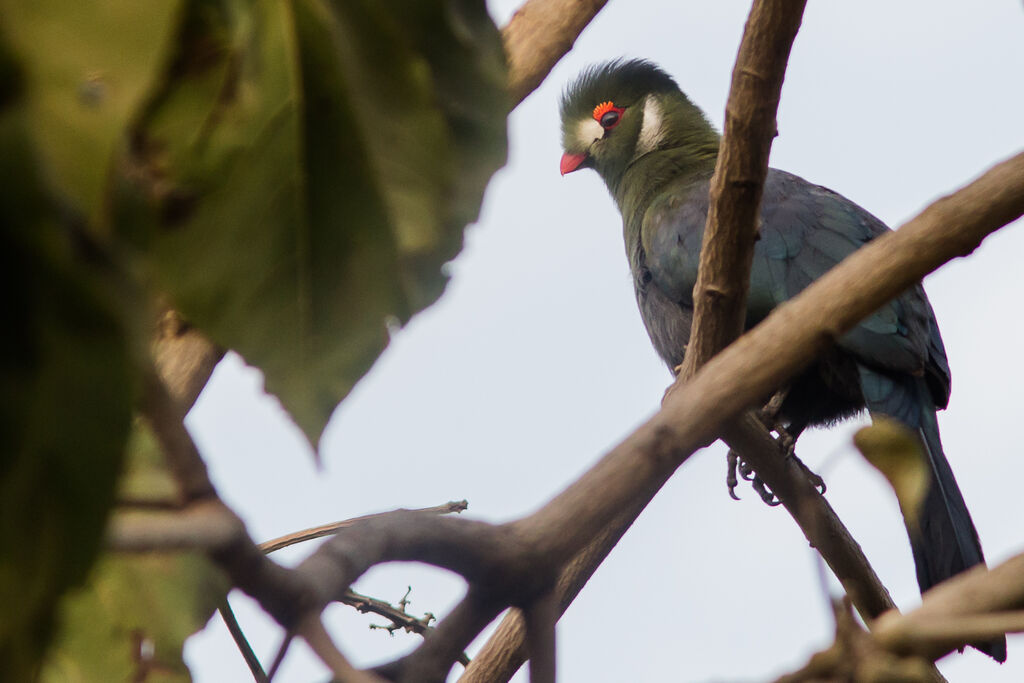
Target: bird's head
(617, 112)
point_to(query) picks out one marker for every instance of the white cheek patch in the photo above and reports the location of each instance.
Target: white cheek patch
(651, 132)
(588, 131)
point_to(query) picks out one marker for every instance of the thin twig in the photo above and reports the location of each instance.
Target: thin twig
(282, 650)
(313, 632)
(333, 528)
(251, 660)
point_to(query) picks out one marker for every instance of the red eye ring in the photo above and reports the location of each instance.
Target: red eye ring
(608, 115)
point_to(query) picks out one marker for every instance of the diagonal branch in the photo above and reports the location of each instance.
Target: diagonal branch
(812, 512)
(538, 35)
(723, 277)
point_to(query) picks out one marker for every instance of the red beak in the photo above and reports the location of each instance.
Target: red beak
(571, 162)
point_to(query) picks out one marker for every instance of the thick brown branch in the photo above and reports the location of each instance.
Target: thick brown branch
(723, 278)
(202, 525)
(539, 34)
(165, 416)
(816, 518)
(282, 592)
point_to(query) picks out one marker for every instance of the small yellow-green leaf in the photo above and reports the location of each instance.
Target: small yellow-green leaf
(896, 452)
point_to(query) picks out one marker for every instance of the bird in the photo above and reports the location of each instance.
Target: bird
(655, 150)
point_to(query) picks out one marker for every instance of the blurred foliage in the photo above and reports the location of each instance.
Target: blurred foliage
(291, 174)
(895, 451)
(65, 388)
(130, 620)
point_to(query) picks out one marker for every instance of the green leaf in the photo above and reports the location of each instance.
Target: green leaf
(88, 66)
(305, 172)
(896, 452)
(65, 389)
(130, 622)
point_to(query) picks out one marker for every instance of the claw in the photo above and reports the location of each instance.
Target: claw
(732, 460)
(746, 471)
(767, 496)
(787, 442)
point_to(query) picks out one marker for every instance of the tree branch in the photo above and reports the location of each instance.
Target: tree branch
(723, 277)
(967, 608)
(184, 358)
(539, 34)
(241, 642)
(313, 632)
(333, 528)
(974, 606)
(812, 512)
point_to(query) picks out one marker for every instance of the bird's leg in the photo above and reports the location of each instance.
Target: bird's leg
(769, 415)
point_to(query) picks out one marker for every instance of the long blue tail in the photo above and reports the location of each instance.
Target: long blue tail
(944, 542)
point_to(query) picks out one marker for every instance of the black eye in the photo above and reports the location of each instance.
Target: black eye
(609, 119)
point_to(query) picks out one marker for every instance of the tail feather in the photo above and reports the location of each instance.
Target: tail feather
(944, 541)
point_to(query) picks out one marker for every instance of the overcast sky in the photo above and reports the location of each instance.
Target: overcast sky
(535, 362)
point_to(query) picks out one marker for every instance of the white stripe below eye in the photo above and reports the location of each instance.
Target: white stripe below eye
(651, 131)
(588, 131)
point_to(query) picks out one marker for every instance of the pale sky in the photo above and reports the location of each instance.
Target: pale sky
(535, 363)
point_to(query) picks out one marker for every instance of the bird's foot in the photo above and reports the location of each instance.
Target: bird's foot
(737, 464)
(769, 414)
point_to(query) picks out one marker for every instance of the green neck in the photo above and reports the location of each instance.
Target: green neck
(646, 177)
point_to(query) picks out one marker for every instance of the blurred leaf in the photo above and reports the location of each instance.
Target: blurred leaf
(65, 389)
(307, 169)
(88, 66)
(896, 452)
(130, 622)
